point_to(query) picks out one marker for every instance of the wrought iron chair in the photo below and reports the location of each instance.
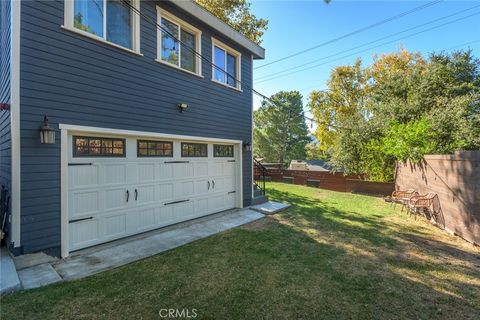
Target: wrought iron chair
(402, 197)
(419, 203)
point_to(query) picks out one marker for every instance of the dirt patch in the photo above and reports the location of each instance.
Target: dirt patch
(260, 224)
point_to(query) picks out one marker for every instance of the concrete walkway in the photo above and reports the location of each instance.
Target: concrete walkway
(270, 207)
(118, 253)
(9, 280)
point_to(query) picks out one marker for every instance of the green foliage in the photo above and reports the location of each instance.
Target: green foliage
(280, 132)
(237, 14)
(400, 108)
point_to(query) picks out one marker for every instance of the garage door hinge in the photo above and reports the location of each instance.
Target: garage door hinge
(77, 220)
(80, 164)
(173, 202)
(232, 192)
(176, 161)
(231, 160)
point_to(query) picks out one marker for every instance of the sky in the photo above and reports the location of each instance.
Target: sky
(298, 25)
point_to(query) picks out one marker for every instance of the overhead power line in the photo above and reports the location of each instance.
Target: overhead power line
(371, 26)
(198, 54)
(367, 43)
(370, 48)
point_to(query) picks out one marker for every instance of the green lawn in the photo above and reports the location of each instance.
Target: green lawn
(332, 255)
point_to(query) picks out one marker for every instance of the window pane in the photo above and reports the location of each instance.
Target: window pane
(188, 56)
(231, 70)
(119, 26)
(170, 47)
(88, 16)
(219, 61)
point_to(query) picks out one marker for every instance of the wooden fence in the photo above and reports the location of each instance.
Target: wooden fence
(329, 180)
(456, 180)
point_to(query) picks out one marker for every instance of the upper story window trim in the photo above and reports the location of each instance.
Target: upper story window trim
(227, 75)
(183, 30)
(69, 24)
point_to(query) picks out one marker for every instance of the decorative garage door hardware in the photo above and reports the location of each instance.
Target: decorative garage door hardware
(176, 161)
(78, 220)
(231, 161)
(232, 192)
(80, 164)
(208, 185)
(174, 202)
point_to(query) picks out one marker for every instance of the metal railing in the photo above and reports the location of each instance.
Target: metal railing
(259, 175)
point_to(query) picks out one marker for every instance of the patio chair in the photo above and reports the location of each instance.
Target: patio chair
(402, 197)
(421, 202)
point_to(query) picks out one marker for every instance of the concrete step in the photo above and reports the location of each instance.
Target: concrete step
(9, 280)
(259, 200)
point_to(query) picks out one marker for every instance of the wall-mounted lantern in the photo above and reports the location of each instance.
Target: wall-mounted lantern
(47, 133)
(247, 145)
(182, 107)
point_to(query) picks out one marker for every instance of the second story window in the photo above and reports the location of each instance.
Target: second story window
(177, 43)
(112, 21)
(226, 69)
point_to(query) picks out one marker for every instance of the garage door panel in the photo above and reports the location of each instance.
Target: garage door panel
(183, 189)
(115, 174)
(165, 192)
(146, 219)
(201, 169)
(83, 202)
(83, 176)
(116, 198)
(115, 226)
(202, 186)
(165, 172)
(164, 215)
(84, 233)
(215, 169)
(146, 172)
(145, 194)
(201, 206)
(182, 170)
(216, 203)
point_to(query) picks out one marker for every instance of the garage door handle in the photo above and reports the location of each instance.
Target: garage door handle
(213, 184)
(208, 185)
(136, 194)
(128, 195)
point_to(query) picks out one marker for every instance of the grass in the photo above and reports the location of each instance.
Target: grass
(332, 255)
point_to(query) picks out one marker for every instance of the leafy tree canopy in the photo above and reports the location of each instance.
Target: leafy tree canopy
(400, 108)
(280, 132)
(237, 14)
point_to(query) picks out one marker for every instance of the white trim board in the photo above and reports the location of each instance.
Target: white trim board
(15, 120)
(68, 130)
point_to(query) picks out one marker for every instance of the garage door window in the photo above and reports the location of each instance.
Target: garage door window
(154, 148)
(98, 147)
(220, 150)
(194, 150)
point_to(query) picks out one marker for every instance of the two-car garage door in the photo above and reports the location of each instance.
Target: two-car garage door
(123, 186)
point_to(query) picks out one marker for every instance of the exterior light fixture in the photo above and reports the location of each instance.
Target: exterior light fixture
(47, 133)
(247, 145)
(182, 107)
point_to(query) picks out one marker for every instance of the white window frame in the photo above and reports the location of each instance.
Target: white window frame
(237, 55)
(135, 20)
(161, 13)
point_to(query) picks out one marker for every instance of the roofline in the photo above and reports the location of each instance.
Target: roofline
(207, 17)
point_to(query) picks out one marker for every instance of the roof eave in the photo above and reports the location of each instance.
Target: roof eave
(204, 15)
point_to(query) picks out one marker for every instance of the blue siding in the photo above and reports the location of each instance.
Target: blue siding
(76, 80)
(5, 145)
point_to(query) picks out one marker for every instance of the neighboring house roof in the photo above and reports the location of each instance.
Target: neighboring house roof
(312, 165)
(207, 17)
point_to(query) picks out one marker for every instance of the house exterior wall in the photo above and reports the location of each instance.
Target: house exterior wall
(5, 136)
(79, 81)
(456, 180)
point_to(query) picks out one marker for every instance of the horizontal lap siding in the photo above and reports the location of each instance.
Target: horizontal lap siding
(5, 137)
(76, 80)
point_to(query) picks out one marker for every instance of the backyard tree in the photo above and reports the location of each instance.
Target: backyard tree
(237, 14)
(280, 131)
(401, 107)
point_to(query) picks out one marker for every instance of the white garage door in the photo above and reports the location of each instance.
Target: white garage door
(123, 186)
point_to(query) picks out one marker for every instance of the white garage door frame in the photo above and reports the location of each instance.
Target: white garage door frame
(67, 131)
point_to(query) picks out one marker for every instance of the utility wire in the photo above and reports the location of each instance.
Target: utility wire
(358, 52)
(175, 37)
(366, 44)
(376, 24)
